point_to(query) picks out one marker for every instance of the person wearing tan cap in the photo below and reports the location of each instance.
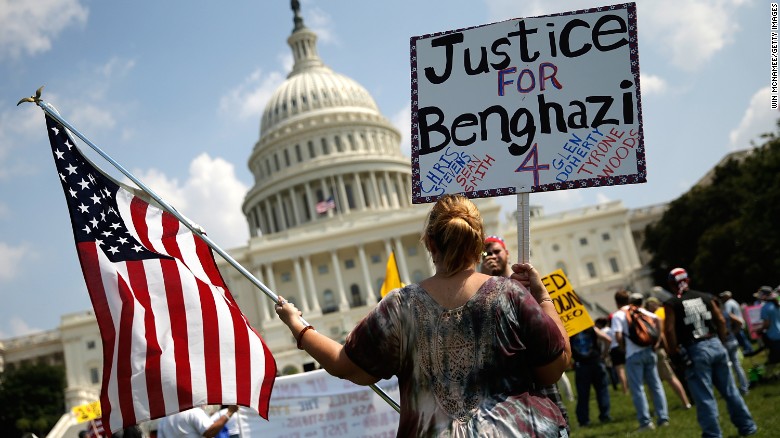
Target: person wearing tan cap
(770, 315)
(732, 314)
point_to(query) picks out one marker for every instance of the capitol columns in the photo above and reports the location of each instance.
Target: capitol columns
(370, 296)
(343, 302)
(301, 286)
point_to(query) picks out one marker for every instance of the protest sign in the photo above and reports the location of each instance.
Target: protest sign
(753, 320)
(316, 404)
(574, 315)
(527, 105)
(87, 412)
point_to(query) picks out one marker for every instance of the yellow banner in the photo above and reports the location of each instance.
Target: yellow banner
(573, 313)
(87, 412)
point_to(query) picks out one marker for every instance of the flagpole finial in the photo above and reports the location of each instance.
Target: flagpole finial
(34, 99)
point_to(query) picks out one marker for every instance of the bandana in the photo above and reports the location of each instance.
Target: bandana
(680, 277)
(495, 239)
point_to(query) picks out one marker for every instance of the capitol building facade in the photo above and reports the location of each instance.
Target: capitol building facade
(331, 201)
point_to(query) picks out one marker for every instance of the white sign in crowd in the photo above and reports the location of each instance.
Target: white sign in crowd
(316, 404)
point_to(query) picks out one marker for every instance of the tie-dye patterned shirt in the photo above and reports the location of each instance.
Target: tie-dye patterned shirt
(463, 372)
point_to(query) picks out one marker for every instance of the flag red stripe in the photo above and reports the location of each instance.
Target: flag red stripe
(177, 308)
(211, 351)
(90, 266)
(138, 211)
(268, 380)
(207, 261)
(139, 284)
(242, 355)
(181, 348)
(124, 371)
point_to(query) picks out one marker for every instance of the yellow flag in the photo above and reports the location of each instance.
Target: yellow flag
(392, 278)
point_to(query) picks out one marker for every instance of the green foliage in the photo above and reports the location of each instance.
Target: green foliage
(726, 233)
(32, 399)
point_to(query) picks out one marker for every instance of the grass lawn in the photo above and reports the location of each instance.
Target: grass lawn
(763, 400)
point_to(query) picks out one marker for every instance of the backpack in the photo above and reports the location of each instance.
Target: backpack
(641, 327)
(584, 346)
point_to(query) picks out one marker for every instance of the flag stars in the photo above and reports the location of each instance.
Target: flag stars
(62, 177)
(72, 192)
(91, 178)
(122, 240)
(99, 242)
(113, 250)
(67, 143)
(84, 184)
(94, 222)
(86, 229)
(84, 208)
(71, 169)
(102, 216)
(95, 198)
(60, 155)
(56, 130)
(137, 248)
(115, 225)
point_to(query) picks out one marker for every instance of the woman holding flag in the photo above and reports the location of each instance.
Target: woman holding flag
(467, 347)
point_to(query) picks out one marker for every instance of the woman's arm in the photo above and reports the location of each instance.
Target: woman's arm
(327, 352)
(529, 277)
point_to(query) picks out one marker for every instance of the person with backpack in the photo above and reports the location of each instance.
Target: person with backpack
(665, 371)
(633, 327)
(590, 370)
(695, 330)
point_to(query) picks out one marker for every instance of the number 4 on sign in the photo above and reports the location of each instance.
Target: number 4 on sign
(535, 167)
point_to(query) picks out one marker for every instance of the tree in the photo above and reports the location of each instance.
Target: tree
(725, 233)
(33, 399)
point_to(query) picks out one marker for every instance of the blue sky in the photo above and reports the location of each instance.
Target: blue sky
(174, 91)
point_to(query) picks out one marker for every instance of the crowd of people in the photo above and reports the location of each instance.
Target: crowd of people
(479, 348)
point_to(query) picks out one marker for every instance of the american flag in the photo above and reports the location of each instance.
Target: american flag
(95, 429)
(173, 336)
(324, 206)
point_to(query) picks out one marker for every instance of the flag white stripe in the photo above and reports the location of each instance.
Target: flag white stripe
(186, 242)
(137, 347)
(257, 369)
(110, 285)
(193, 309)
(227, 344)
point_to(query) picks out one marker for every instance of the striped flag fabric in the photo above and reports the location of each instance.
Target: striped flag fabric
(324, 206)
(95, 429)
(173, 337)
